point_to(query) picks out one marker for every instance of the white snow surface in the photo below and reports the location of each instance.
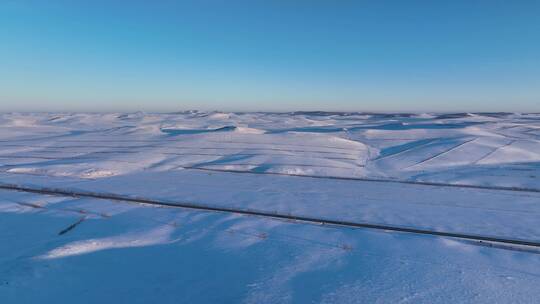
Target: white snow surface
(357, 167)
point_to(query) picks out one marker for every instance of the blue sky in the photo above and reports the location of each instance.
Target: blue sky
(270, 55)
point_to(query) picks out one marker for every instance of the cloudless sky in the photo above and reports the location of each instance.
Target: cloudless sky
(274, 55)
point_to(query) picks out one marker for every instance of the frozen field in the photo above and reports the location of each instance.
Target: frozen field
(476, 175)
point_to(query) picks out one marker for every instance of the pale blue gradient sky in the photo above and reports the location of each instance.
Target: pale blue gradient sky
(270, 55)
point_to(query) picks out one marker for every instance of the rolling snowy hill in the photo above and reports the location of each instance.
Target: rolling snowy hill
(64, 238)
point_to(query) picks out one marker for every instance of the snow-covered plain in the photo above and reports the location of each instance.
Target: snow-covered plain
(359, 167)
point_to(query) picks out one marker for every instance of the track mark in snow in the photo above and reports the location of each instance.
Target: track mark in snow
(184, 148)
(31, 205)
(275, 165)
(70, 210)
(27, 157)
(367, 179)
(516, 137)
(283, 144)
(168, 153)
(493, 151)
(405, 150)
(72, 226)
(441, 153)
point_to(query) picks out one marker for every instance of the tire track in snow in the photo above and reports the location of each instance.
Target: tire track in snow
(281, 144)
(516, 137)
(162, 153)
(493, 151)
(180, 148)
(282, 165)
(72, 226)
(441, 153)
(406, 150)
(366, 179)
(176, 141)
